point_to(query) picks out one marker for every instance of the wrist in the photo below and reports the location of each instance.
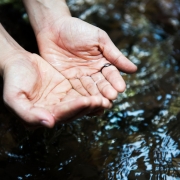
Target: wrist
(8, 47)
(43, 13)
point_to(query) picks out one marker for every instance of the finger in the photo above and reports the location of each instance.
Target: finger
(72, 95)
(105, 88)
(77, 85)
(113, 76)
(89, 85)
(113, 55)
(67, 110)
(92, 88)
(35, 116)
(106, 103)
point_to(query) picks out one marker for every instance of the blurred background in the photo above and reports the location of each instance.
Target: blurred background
(139, 138)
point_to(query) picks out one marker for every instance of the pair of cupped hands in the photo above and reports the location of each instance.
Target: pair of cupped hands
(66, 81)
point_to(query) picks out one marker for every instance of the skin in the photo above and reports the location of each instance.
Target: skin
(66, 82)
(77, 49)
(37, 92)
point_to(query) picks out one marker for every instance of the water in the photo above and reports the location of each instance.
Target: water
(139, 137)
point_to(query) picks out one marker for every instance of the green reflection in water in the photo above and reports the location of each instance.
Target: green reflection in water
(139, 137)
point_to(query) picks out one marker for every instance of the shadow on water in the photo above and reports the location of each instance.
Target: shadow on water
(139, 138)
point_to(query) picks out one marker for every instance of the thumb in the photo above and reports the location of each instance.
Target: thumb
(36, 116)
(113, 55)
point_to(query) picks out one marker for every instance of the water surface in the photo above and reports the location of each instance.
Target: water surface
(139, 138)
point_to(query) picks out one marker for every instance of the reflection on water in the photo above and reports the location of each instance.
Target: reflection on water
(139, 138)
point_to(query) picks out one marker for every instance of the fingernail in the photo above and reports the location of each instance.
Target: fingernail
(44, 123)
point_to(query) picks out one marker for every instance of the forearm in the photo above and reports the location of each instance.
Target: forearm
(42, 13)
(7, 47)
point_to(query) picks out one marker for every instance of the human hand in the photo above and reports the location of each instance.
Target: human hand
(79, 50)
(40, 95)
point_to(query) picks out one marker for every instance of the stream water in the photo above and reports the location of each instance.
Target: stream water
(139, 138)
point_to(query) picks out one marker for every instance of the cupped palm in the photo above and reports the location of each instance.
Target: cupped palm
(79, 50)
(40, 95)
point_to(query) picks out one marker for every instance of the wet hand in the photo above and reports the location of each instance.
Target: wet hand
(79, 51)
(40, 95)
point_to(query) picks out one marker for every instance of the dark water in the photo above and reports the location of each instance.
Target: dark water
(139, 138)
